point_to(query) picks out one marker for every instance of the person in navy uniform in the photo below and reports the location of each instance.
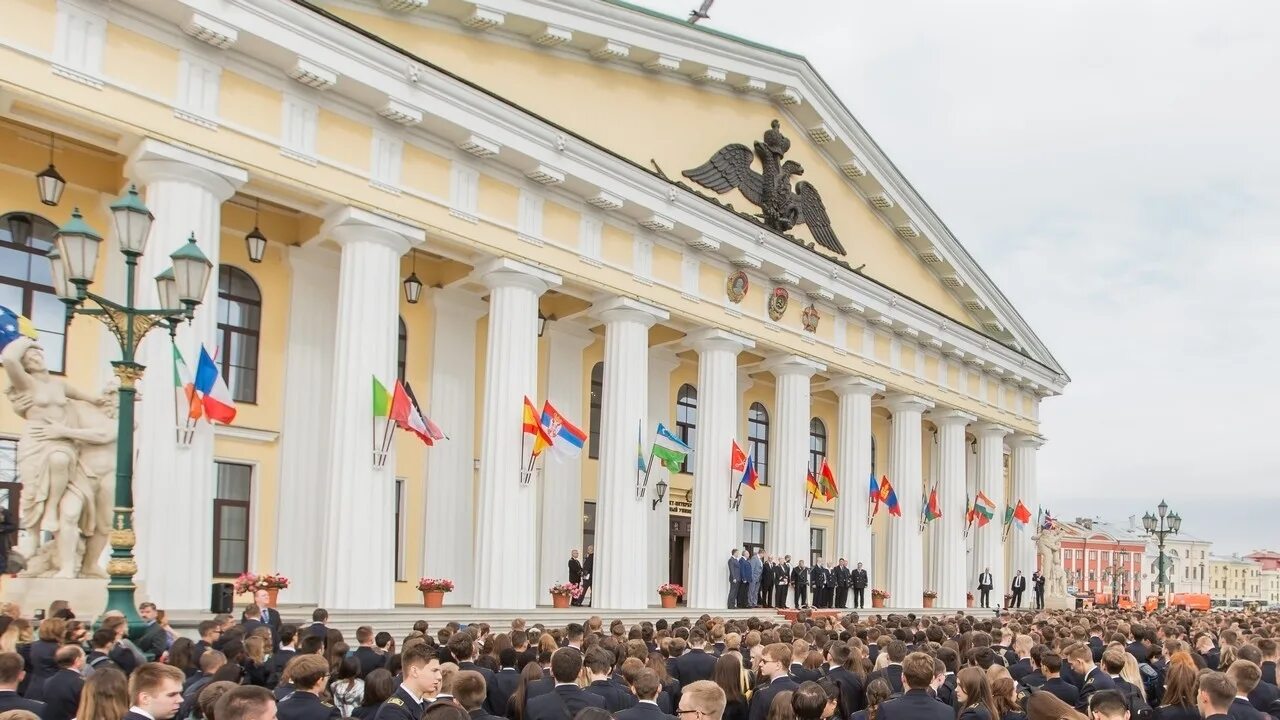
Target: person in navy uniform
(800, 585)
(744, 572)
(1081, 661)
(1051, 666)
(599, 664)
(781, 580)
(766, 582)
(1216, 694)
(470, 690)
(566, 698)
(62, 690)
(817, 581)
(1037, 584)
(985, 584)
(697, 664)
(915, 703)
(860, 583)
(420, 677)
(11, 673)
(735, 578)
(774, 661)
(156, 692)
(844, 580)
(310, 674)
(647, 687)
(575, 574)
(463, 647)
(247, 702)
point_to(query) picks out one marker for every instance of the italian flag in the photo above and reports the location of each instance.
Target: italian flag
(983, 509)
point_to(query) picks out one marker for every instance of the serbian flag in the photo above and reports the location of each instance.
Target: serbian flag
(532, 426)
(827, 482)
(568, 438)
(889, 497)
(184, 388)
(216, 396)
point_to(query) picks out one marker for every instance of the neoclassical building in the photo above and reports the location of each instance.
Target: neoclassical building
(523, 161)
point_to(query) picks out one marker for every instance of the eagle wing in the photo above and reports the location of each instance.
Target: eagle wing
(730, 168)
(814, 214)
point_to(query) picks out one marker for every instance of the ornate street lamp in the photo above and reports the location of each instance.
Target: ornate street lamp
(412, 285)
(661, 489)
(48, 182)
(73, 261)
(1160, 526)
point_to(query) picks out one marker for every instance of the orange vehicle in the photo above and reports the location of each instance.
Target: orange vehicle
(1180, 601)
(1104, 600)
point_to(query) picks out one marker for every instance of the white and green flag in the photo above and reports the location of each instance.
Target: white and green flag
(669, 449)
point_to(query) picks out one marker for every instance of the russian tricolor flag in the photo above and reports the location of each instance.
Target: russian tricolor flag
(216, 396)
(567, 438)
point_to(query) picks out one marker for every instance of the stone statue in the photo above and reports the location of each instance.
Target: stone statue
(66, 461)
(1049, 548)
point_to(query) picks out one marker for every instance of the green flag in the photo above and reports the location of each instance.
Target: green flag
(1008, 514)
(381, 399)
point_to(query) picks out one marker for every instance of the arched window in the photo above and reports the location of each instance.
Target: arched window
(402, 351)
(239, 323)
(26, 285)
(687, 422)
(758, 439)
(817, 445)
(597, 401)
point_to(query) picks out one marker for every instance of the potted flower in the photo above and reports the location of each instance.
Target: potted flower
(929, 597)
(669, 593)
(968, 599)
(878, 597)
(561, 593)
(273, 583)
(1008, 600)
(433, 590)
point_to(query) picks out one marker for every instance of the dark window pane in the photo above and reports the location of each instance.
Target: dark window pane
(14, 263)
(239, 320)
(597, 401)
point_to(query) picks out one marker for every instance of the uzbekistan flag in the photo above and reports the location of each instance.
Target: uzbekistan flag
(531, 426)
(889, 497)
(184, 389)
(827, 482)
(216, 396)
(567, 438)
(669, 449)
(983, 509)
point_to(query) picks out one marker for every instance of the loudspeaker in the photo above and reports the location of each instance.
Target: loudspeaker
(220, 601)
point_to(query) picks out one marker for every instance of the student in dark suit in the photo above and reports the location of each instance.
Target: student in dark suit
(1246, 676)
(11, 672)
(41, 656)
(566, 698)
(155, 690)
(1081, 661)
(62, 691)
(310, 674)
(1017, 587)
(859, 586)
(1216, 696)
(463, 647)
(1051, 666)
(470, 690)
(893, 672)
(774, 661)
(419, 678)
(800, 585)
(985, 583)
(575, 574)
(281, 657)
(246, 703)
(916, 703)
(508, 676)
(617, 695)
(697, 664)
(317, 628)
(847, 676)
(646, 689)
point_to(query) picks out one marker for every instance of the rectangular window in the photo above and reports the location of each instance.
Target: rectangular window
(299, 128)
(753, 534)
(590, 238)
(464, 189)
(817, 538)
(385, 156)
(198, 82)
(231, 519)
(399, 529)
(588, 526)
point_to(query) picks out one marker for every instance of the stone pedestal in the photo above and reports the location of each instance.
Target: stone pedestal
(88, 596)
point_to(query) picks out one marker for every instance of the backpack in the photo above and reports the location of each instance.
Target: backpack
(1138, 707)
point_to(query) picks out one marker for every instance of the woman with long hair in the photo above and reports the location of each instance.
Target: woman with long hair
(1181, 685)
(1004, 692)
(346, 687)
(727, 673)
(378, 686)
(780, 708)
(105, 695)
(1130, 674)
(256, 671)
(1044, 705)
(878, 691)
(973, 695)
(531, 673)
(182, 656)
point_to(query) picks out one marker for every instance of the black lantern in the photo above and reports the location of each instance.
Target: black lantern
(20, 228)
(49, 182)
(412, 285)
(255, 241)
(661, 491)
(542, 323)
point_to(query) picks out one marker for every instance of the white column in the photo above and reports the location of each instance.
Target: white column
(713, 532)
(450, 472)
(662, 362)
(185, 191)
(789, 455)
(562, 476)
(853, 468)
(304, 434)
(506, 561)
(988, 547)
(1023, 547)
(905, 559)
(949, 557)
(361, 574)
(622, 541)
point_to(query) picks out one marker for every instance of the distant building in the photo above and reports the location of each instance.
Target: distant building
(1232, 577)
(1186, 564)
(1102, 557)
(1268, 559)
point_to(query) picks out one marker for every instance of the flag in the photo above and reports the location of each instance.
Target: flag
(531, 426)
(827, 482)
(404, 412)
(750, 477)
(931, 509)
(13, 325)
(889, 497)
(642, 467)
(215, 396)
(1022, 514)
(381, 399)
(567, 438)
(184, 388)
(983, 509)
(421, 425)
(737, 458)
(1008, 514)
(669, 449)
(811, 483)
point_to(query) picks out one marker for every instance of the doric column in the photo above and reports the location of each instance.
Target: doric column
(361, 574)
(506, 561)
(562, 476)
(988, 547)
(789, 455)
(713, 532)
(185, 191)
(1022, 546)
(905, 557)
(450, 472)
(662, 361)
(622, 541)
(853, 469)
(950, 567)
(304, 435)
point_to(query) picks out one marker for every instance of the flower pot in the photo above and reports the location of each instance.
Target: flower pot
(928, 601)
(668, 601)
(560, 601)
(272, 594)
(432, 598)
(968, 602)
(877, 602)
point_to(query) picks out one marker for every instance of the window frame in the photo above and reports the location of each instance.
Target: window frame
(399, 517)
(219, 504)
(687, 423)
(43, 229)
(817, 436)
(758, 444)
(226, 331)
(748, 537)
(596, 410)
(817, 552)
(402, 350)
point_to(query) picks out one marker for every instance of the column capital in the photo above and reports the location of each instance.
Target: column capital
(628, 309)
(352, 224)
(455, 301)
(570, 334)
(853, 385)
(950, 416)
(1034, 442)
(154, 160)
(781, 365)
(663, 359)
(506, 272)
(717, 339)
(904, 402)
(990, 429)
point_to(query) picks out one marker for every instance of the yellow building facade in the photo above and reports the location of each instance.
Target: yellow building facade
(522, 160)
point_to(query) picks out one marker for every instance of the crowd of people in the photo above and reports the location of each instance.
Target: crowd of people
(1035, 665)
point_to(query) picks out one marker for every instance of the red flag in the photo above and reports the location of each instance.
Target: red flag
(737, 459)
(1021, 513)
(532, 426)
(829, 489)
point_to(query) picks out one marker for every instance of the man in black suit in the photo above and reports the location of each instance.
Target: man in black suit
(818, 582)
(310, 674)
(1264, 696)
(766, 583)
(617, 696)
(319, 617)
(860, 582)
(1081, 661)
(1270, 653)
(155, 692)
(915, 703)
(1022, 666)
(246, 702)
(543, 685)
(984, 587)
(508, 676)
(1037, 584)
(566, 699)
(1095, 642)
(1017, 587)
(11, 673)
(775, 659)
(463, 647)
(892, 673)
(1051, 666)
(781, 581)
(800, 585)
(1216, 696)
(646, 689)
(697, 664)
(154, 641)
(469, 689)
(575, 574)
(208, 630)
(844, 580)
(1248, 678)
(280, 658)
(267, 615)
(369, 658)
(588, 571)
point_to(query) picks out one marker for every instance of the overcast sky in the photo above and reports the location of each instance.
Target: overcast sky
(1115, 168)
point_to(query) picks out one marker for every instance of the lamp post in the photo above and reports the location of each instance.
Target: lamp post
(1117, 569)
(1160, 526)
(73, 261)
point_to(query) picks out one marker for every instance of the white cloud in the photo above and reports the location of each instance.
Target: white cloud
(1113, 167)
